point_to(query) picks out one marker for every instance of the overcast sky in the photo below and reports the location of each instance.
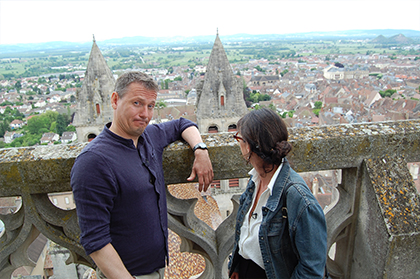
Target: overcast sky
(35, 21)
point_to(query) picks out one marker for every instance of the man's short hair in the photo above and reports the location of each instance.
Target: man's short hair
(127, 78)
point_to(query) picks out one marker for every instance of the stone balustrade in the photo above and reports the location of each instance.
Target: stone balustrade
(373, 227)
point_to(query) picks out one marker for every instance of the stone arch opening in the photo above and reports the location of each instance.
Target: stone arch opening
(232, 128)
(91, 136)
(213, 129)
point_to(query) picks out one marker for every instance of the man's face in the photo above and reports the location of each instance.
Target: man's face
(132, 112)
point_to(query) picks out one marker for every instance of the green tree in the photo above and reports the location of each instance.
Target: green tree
(387, 93)
(18, 86)
(318, 104)
(61, 124)
(4, 127)
(272, 107)
(26, 140)
(43, 131)
(259, 69)
(7, 103)
(255, 97)
(159, 106)
(53, 127)
(178, 78)
(284, 72)
(42, 121)
(167, 83)
(265, 97)
(71, 128)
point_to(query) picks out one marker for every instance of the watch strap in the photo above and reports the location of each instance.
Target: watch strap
(200, 145)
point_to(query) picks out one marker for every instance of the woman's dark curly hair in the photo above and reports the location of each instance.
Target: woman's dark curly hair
(267, 136)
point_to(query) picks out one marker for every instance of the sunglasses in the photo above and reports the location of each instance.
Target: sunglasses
(235, 136)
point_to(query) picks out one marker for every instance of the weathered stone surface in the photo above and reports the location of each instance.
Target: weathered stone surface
(344, 146)
(396, 194)
(94, 98)
(220, 99)
(315, 148)
(388, 233)
(224, 152)
(374, 223)
(42, 169)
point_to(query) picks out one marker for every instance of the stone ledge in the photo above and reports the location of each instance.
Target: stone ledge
(46, 169)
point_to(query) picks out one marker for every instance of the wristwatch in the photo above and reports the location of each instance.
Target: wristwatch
(200, 145)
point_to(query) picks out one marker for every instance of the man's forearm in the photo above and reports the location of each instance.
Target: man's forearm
(192, 136)
(202, 168)
(109, 262)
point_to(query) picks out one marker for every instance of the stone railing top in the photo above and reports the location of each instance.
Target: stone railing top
(46, 169)
(377, 212)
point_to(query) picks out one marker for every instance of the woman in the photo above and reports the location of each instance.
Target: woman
(279, 234)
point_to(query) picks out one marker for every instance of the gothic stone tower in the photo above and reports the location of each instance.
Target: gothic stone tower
(94, 98)
(220, 102)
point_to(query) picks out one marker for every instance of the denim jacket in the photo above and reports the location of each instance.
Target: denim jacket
(300, 251)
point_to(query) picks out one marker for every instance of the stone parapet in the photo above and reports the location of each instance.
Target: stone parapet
(373, 226)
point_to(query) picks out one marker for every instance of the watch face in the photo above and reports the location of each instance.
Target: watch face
(200, 145)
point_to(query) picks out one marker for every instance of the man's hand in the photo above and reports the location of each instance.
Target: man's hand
(235, 275)
(202, 169)
(110, 263)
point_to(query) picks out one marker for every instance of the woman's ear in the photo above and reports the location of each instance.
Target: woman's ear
(248, 147)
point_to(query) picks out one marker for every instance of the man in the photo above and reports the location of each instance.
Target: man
(119, 188)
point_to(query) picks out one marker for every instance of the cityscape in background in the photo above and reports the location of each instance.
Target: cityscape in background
(308, 82)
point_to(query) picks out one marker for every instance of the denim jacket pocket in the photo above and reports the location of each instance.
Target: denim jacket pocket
(274, 233)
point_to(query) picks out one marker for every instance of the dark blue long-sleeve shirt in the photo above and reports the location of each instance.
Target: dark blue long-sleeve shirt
(120, 198)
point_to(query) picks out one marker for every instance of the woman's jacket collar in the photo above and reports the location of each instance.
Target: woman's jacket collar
(282, 178)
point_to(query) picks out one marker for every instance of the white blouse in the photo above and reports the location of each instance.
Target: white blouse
(249, 247)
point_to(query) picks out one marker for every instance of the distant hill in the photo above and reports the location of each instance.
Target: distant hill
(332, 35)
(396, 39)
(401, 36)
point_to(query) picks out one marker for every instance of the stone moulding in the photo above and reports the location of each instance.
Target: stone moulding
(373, 225)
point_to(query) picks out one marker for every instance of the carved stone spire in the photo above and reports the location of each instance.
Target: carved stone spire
(220, 100)
(93, 100)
